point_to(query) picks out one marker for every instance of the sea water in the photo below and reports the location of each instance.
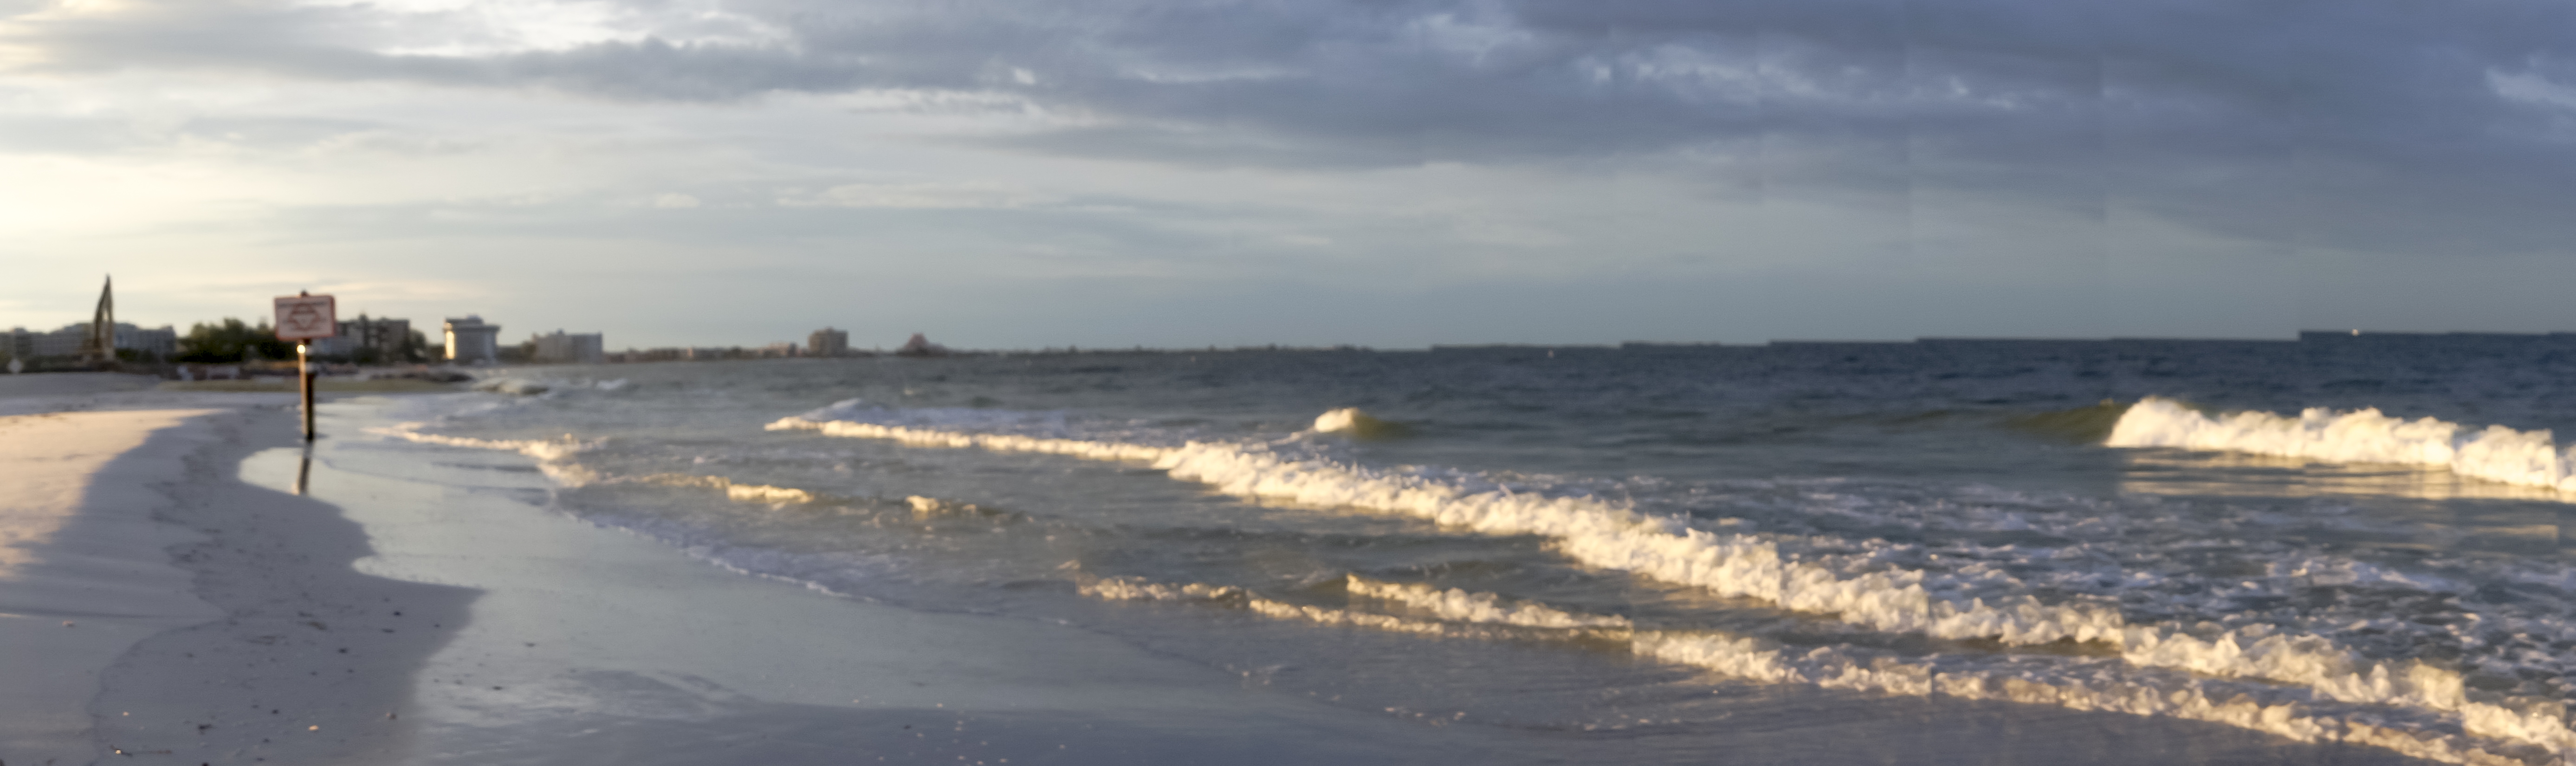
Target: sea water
(2343, 548)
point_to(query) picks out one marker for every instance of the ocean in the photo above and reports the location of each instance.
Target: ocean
(2344, 548)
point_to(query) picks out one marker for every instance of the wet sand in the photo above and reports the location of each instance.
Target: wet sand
(83, 572)
(217, 616)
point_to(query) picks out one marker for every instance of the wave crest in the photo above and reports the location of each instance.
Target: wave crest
(2072, 683)
(1853, 589)
(1356, 424)
(2495, 453)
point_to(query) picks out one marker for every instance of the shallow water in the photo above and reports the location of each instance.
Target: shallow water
(1669, 548)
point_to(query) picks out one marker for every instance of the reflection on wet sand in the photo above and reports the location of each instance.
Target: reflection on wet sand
(304, 469)
(53, 462)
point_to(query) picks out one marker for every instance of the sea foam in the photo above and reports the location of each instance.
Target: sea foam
(2074, 683)
(551, 455)
(734, 490)
(1610, 536)
(1351, 421)
(2494, 453)
(1596, 532)
(1461, 605)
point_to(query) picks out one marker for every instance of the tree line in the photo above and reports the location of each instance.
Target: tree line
(233, 341)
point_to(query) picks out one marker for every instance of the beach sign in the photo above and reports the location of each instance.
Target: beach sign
(305, 316)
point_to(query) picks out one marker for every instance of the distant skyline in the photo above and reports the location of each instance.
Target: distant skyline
(1111, 173)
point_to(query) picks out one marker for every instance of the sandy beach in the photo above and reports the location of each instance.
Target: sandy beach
(167, 597)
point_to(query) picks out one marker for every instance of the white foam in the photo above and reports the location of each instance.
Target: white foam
(2061, 683)
(1596, 532)
(552, 455)
(1852, 588)
(1461, 606)
(1461, 614)
(2071, 687)
(2495, 453)
(1336, 420)
(925, 507)
(1130, 590)
(736, 491)
(1350, 420)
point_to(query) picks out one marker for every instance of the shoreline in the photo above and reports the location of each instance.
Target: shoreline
(426, 604)
(278, 566)
(384, 618)
(610, 647)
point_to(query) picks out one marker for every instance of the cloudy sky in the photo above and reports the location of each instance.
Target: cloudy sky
(1014, 174)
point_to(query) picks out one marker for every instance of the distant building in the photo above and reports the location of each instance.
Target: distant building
(470, 340)
(921, 346)
(18, 343)
(368, 339)
(777, 350)
(569, 348)
(828, 342)
(70, 341)
(155, 342)
(64, 342)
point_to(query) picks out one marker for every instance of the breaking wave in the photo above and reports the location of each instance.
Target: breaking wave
(1356, 424)
(1460, 605)
(1596, 532)
(552, 455)
(2069, 682)
(2494, 453)
(1977, 603)
(1125, 589)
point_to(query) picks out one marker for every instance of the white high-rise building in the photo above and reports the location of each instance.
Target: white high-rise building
(471, 341)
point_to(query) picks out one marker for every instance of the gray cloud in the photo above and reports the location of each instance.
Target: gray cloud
(2307, 123)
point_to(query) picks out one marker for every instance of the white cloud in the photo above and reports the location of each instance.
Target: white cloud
(2530, 88)
(915, 196)
(472, 28)
(1240, 145)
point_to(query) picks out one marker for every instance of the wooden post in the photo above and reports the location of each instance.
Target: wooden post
(302, 317)
(304, 375)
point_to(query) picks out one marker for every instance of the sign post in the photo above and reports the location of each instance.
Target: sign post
(302, 317)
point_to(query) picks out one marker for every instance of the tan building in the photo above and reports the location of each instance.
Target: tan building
(828, 342)
(560, 347)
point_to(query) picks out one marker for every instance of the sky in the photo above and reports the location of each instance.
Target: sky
(1388, 173)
